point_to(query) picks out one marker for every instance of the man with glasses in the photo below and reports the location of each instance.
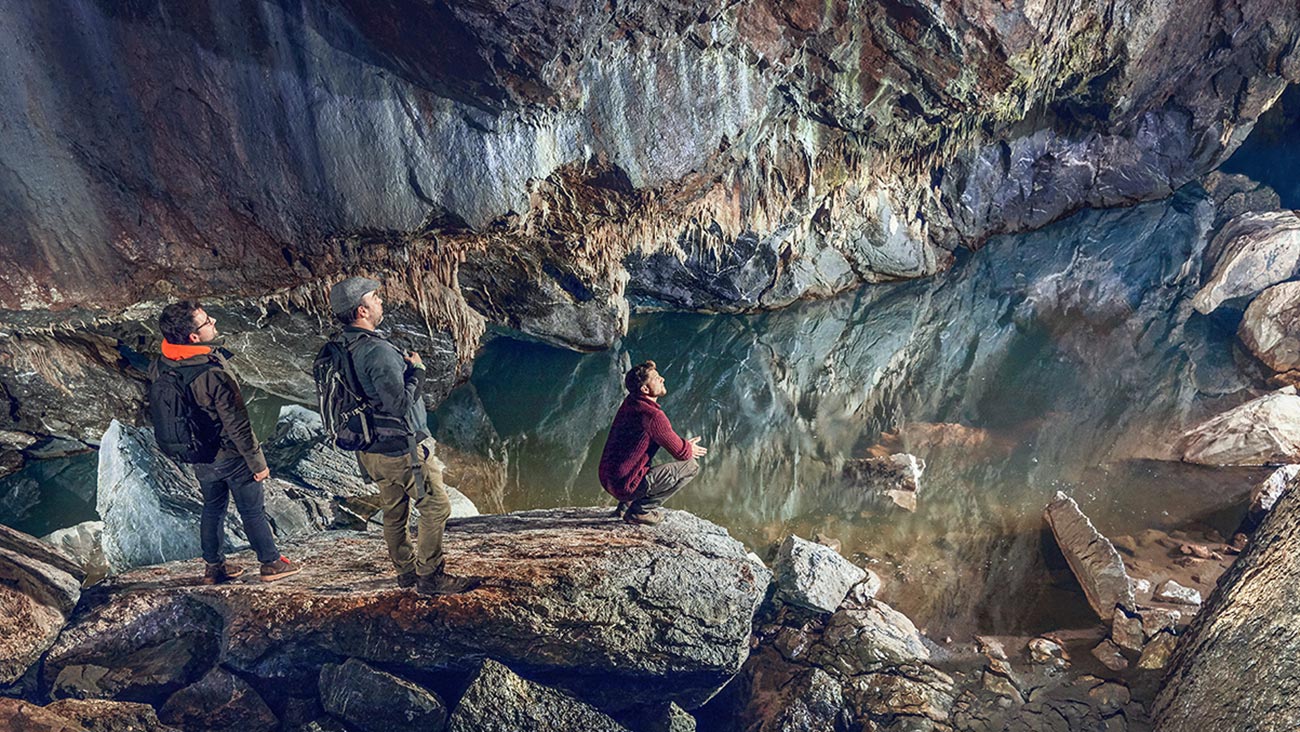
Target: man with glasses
(191, 351)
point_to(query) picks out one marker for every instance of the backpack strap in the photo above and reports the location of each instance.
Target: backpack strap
(412, 445)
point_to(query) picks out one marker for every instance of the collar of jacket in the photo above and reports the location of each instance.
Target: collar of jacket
(641, 401)
(174, 352)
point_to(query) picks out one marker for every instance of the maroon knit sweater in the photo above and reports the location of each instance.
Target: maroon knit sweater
(640, 428)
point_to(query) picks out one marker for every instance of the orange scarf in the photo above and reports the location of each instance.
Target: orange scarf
(180, 353)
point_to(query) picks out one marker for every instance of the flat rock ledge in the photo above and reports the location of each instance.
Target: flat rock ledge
(620, 615)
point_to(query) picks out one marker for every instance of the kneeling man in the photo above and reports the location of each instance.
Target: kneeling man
(640, 428)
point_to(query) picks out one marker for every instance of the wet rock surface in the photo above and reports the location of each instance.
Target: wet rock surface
(83, 543)
(595, 597)
(1092, 557)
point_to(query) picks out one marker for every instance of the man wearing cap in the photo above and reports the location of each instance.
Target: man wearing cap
(401, 459)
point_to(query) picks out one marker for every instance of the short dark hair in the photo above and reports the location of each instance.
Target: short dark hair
(638, 376)
(177, 321)
(347, 318)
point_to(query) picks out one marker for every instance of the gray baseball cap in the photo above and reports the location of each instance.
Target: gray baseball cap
(345, 296)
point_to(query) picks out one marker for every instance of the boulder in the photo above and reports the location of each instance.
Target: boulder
(1270, 329)
(1091, 556)
(661, 718)
(302, 454)
(99, 715)
(1110, 655)
(812, 575)
(1126, 630)
(1157, 651)
(1249, 254)
(867, 640)
(219, 702)
(375, 701)
(150, 506)
(896, 476)
(498, 700)
(16, 714)
(39, 587)
(1263, 431)
(568, 594)
(141, 647)
(84, 544)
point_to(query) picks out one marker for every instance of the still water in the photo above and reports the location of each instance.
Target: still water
(1063, 360)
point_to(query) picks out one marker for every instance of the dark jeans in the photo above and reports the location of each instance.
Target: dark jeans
(219, 481)
(660, 483)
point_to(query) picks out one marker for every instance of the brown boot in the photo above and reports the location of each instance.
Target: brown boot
(279, 569)
(220, 572)
(618, 512)
(645, 518)
(406, 579)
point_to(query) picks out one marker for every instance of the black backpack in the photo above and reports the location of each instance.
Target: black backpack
(184, 431)
(346, 413)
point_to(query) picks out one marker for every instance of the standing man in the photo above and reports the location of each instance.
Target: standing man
(640, 428)
(401, 458)
(208, 410)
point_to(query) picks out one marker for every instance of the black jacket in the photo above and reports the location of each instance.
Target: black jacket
(391, 384)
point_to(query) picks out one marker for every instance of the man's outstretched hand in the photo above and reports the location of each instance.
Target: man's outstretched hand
(697, 450)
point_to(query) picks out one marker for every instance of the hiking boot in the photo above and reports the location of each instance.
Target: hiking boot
(618, 512)
(645, 518)
(220, 572)
(406, 579)
(279, 569)
(441, 583)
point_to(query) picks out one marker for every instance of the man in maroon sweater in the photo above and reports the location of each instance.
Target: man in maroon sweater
(640, 428)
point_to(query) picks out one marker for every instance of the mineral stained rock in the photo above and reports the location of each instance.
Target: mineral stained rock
(1249, 622)
(566, 594)
(1263, 431)
(813, 576)
(497, 700)
(1091, 556)
(98, 715)
(84, 544)
(39, 587)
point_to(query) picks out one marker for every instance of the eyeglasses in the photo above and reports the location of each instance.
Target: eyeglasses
(206, 323)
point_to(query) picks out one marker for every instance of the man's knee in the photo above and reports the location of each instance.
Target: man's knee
(692, 467)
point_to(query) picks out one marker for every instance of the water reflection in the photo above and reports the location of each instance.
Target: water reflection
(1044, 362)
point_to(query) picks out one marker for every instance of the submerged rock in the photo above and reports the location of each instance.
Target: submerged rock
(1263, 431)
(497, 700)
(1092, 557)
(813, 576)
(39, 587)
(567, 594)
(897, 476)
(1250, 254)
(375, 701)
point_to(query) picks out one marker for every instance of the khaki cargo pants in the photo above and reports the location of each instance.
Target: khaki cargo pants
(396, 479)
